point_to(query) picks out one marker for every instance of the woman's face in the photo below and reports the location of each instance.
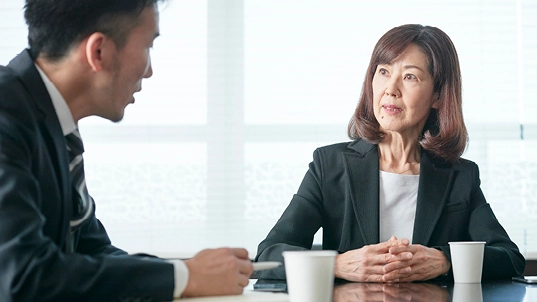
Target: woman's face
(403, 93)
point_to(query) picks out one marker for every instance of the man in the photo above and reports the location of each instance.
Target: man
(85, 57)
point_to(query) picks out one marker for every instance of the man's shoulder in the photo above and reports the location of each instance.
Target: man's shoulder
(20, 66)
(16, 106)
(12, 89)
(10, 81)
(6, 77)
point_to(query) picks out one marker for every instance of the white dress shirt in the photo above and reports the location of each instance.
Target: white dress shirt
(68, 125)
(398, 199)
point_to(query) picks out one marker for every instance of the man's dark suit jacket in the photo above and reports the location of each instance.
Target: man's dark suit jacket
(340, 193)
(36, 207)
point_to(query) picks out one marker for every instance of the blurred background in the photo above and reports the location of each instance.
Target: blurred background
(243, 92)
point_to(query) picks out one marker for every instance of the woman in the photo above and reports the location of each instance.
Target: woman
(401, 180)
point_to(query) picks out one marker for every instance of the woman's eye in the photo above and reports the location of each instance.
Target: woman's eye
(410, 77)
(383, 71)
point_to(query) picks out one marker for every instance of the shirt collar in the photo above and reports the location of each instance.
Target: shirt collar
(63, 112)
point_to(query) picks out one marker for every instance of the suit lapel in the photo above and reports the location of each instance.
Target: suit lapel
(362, 168)
(435, 181)
(47, 119)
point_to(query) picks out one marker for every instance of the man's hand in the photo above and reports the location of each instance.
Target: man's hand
(367, 264)
(223, 271)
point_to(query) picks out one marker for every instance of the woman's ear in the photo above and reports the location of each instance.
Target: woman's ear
(436, 101)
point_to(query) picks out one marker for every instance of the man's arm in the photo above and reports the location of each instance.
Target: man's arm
(223, 271)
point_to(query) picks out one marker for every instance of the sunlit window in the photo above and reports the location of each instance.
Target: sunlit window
(244, 91)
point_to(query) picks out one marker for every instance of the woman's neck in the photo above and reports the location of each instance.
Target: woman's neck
(399, 156)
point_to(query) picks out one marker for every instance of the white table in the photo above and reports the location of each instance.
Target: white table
(249, 295)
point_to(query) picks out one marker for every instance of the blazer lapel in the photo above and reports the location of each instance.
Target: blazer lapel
(362, 168)
(23, 66)
(435, 181)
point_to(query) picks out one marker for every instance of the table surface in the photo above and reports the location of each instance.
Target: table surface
(347, 292)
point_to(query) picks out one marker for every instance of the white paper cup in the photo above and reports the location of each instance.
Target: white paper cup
(467, 260)
(467, 292)
(310, 275)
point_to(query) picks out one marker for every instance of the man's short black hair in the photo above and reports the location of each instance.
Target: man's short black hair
(54, 26)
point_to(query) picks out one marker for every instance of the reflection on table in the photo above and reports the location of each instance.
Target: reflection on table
(390, 292)
(423, 291)
(505, 290)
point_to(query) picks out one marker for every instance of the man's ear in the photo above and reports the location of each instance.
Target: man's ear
(98, 50)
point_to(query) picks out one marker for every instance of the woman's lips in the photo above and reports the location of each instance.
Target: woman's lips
(391, 109)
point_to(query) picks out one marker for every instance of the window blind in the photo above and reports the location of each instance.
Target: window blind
(243, 92)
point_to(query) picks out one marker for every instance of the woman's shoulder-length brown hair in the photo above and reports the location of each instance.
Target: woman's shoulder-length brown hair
(444, 134)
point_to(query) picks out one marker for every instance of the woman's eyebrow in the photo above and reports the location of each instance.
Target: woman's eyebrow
(412, 66)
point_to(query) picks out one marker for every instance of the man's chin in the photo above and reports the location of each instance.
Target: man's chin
(115, 118)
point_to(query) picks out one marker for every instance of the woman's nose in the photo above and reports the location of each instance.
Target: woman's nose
(392, 88)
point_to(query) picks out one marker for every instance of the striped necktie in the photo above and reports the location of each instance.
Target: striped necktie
(82, 203)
